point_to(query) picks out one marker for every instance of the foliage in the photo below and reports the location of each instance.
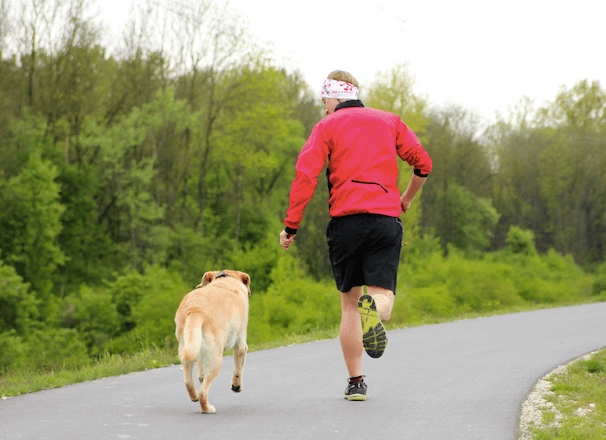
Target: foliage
(31, 219)
(599, 283)
(432, 285)
(293, 304)
(520, 241)
(18, 306)
(466, 220)
(550, 173)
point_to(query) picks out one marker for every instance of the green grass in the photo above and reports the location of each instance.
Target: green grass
(15, 382)
(579, 397)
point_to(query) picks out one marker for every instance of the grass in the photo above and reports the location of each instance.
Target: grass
(579, 398)
(15, 382)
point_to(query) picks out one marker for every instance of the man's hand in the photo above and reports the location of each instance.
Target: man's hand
(405, 204)
(286, 239)
(415, 184)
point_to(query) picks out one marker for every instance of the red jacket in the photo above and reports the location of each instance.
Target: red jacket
(362, 146)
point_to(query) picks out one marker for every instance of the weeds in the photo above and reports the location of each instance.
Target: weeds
(579, 397)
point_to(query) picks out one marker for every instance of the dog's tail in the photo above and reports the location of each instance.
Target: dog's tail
(192, 334)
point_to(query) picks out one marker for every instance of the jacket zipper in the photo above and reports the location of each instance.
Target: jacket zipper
(371, 183)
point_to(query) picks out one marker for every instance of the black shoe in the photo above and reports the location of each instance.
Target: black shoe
(355, 390)
(374, 337)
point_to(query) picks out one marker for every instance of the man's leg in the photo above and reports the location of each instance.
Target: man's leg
(384, 300)
(350, 332)
(375, 308)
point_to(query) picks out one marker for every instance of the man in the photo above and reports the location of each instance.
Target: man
(364, 234)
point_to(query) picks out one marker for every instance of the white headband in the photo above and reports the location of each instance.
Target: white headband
(339, 90)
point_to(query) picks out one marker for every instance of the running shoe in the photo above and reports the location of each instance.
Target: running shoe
(355, 390)
(374, 337)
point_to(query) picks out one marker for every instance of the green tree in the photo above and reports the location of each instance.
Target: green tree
(31, 223)
(93, 315)
(393, 91)
(550, 172)
(461, 177)
(466, 221)
(18, 306)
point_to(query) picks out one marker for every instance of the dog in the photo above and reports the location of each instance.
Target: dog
(211, 319)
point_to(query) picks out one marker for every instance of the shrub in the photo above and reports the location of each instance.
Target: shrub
(94, 315)
(12, 350)
(293, 303)
(18, 307)
(599, 282)
(52, 349)
(520, 241)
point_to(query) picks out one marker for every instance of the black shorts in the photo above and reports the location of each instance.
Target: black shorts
(365, 250)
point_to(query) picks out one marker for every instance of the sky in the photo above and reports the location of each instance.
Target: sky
(484, 55)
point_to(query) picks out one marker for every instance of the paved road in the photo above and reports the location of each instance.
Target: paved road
(461, 380)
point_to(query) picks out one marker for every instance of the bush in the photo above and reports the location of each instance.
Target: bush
(94, 315)
(293, 303)
(12, 351)
(599, 282)
(146, 302)
(18, 307)
(154, 314)
(258, 261)
(431, 285)
(520, 241)
(53, 349)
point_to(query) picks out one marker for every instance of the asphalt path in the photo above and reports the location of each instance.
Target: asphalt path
(460, 380)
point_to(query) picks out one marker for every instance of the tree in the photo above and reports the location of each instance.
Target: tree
(550, 173)
(31, 223)
(462, 170)
(18, 306)
(392, 91)
(466, 221)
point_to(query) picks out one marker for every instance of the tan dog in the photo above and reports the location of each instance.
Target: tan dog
(211, 319)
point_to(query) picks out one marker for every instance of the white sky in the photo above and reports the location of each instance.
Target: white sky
(482, 54)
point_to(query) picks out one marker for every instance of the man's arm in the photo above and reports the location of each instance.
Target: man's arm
(415, 184)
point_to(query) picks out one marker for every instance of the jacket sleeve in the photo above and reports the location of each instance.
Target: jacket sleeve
(410, 150)
(311, 160)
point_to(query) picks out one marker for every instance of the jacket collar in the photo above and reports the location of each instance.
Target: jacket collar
(349, 103)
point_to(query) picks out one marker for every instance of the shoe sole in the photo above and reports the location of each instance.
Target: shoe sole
(356, 397)
(374, 337)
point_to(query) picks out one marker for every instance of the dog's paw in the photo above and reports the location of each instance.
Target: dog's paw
(236, 389)
(210, 410)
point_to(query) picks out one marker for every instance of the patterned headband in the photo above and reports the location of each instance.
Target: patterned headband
(339, 90)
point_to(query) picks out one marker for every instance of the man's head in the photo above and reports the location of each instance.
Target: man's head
(340, 86)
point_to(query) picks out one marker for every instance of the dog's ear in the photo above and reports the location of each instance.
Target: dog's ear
(245, 280)
(206, 279)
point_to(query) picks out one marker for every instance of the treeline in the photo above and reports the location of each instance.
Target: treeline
(125, 174)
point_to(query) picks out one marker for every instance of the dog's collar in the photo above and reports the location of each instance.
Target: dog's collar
(221, 275)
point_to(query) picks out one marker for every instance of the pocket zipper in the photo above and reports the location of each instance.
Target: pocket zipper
(370, 183)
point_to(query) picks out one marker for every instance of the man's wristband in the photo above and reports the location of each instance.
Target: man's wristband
(290, 231)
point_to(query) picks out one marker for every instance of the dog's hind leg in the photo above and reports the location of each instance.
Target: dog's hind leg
(212, 365)
(239, 358)
(188, 379)
(189, 347)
